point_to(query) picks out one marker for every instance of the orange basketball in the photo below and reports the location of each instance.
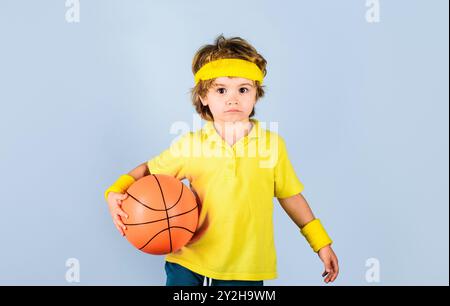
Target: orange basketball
(162, 214)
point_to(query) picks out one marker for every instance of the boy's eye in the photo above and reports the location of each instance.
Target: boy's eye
(223, 90)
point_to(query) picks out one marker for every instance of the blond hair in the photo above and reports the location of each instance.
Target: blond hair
(222, 48)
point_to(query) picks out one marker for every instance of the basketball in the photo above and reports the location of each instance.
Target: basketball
(162, 214)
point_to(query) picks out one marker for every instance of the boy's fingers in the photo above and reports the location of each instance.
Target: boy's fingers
(335, 268)
(328, 272)
(121, 197)
(330, 276)
(119, 229)
(120, 223)
(327, 279)
(123, 214)
(333, 275)
(328, 268)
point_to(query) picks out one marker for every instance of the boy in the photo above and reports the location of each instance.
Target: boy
(235, 168)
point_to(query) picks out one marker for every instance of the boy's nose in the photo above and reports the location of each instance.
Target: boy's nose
(232, 100)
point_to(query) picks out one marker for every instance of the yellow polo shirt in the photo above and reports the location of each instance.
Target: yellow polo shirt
(235, 186)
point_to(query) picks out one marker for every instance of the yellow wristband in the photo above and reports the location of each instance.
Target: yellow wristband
(121, 185)
(316, 235)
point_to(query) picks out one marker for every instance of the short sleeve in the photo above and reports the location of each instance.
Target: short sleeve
(287, 183)
(173, 160)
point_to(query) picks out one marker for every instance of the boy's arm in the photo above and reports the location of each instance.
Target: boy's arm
(298, 209)
(140, 171)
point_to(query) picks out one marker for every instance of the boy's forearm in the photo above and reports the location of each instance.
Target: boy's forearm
(298, 210)
(140, 171)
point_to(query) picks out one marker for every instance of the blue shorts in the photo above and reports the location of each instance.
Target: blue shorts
(177, 275)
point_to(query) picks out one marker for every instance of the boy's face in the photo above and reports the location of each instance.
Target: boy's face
(231, 99)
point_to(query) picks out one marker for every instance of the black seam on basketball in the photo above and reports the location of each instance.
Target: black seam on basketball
(137, 200)
(162, 219)
(167, 214)
(169, 234)
(183, 228)
(142, 203)
(154, 237)
(181, 194)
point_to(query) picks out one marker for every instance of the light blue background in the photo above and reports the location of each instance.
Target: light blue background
(363, 108)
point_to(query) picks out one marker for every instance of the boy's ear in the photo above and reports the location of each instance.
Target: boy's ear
(203, 102)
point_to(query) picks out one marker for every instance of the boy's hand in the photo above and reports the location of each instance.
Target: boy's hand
(330, 262)
(114, 202)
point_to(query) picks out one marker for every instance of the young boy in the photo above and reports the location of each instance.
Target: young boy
(235, 168)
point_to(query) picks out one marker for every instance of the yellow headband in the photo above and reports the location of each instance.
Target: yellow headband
(229, 67)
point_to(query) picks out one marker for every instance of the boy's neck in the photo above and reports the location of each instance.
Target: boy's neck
(231, 132)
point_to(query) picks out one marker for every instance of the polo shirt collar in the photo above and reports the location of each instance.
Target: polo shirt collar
(211, 132)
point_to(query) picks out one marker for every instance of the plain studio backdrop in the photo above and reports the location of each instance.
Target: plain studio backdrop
(359, 90)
